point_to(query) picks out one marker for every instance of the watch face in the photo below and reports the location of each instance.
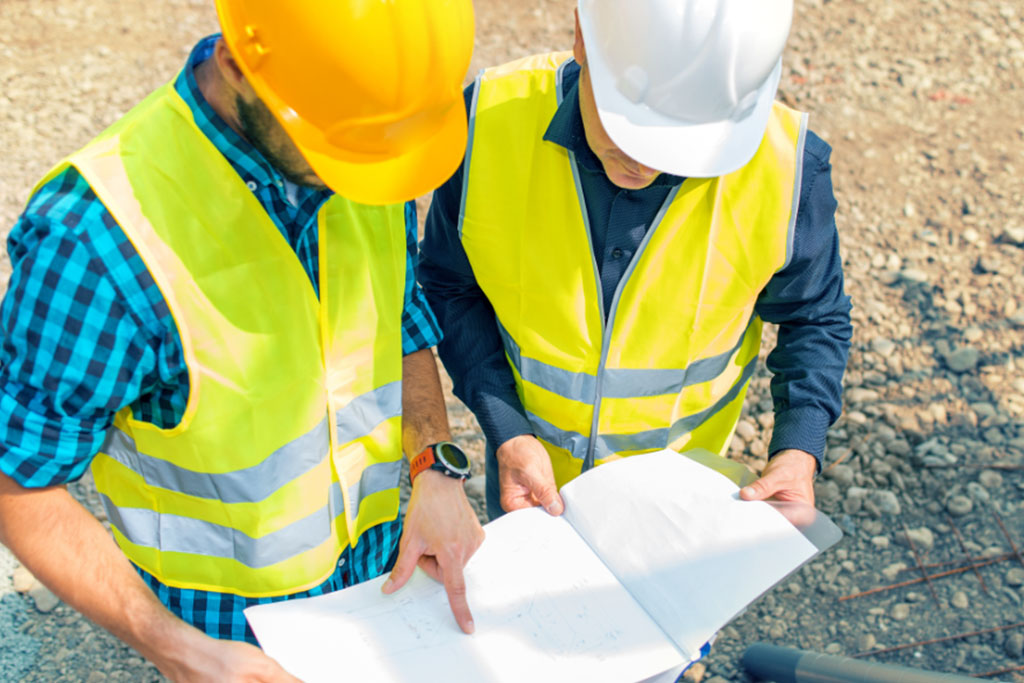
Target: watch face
(452, 456)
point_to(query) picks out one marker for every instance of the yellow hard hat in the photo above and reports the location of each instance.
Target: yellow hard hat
(369, 90)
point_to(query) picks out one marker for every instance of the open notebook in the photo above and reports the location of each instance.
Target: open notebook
(654, 554)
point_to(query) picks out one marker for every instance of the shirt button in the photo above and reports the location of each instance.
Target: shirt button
(616, 253)
(251, 185)
(341, 562)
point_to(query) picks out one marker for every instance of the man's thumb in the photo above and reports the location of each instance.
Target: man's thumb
(759, 490)
(547, 495)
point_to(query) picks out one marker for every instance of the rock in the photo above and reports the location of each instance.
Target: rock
(899, 447)
(891, 571)
(886, 502)
(900, 611)
(833, 649)
(861, 395)
(973, 333)
(880, 542)
(746, 430)
(959, 600)
(1014, 645)
(96, 677)
(840, 474)
(958, 506)
(963, 359)
(476, 489)
(826, 491)
(913, 276)
(1014, 235)
(882, 346)
(1015, 576)
(22, 579)
(990, 479)
(44, 599)
(866, 641)
(977, 492)
(777, 631)
(922, 538)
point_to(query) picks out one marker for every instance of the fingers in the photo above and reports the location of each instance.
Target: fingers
(403, 569)
(547, 496)
(455, 587)
(428, 563)
(758, 490)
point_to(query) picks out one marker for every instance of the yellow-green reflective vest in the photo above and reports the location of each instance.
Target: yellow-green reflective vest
(670, 365)
(290, 444)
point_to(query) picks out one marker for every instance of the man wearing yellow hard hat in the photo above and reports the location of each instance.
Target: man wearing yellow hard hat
(625, 219)
(212, 306)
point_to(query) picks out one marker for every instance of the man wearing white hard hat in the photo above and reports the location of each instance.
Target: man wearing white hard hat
(624, 221)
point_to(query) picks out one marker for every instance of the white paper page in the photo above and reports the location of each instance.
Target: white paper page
(544, 605)
(678, 537)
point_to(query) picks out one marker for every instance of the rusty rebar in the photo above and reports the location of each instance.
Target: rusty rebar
(1006, 533)
(920, 566)
(963, 547)
(946, 563)
(998, 672)
(911, 582)
(943, 639)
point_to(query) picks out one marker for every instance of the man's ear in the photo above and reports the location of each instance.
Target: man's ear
(229, 69)
(579, 51)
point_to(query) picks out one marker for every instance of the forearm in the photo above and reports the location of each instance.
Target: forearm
(70, 552)
(424, 418)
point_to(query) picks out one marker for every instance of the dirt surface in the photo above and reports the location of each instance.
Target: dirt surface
(921, 102)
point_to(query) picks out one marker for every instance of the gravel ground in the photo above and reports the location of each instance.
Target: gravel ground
(921, 101)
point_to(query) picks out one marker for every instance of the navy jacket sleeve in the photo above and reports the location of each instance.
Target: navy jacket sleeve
(807, 301)
(471, 348)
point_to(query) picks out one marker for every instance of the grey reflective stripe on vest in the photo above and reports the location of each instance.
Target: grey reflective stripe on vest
(469, 149)
(618, 382)
(798, 178)
(249, 485)
(175, 533)
(606, 445)
(363, 413)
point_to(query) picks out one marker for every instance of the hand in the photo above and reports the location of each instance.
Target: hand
(441, 534)
(208, 659)
(525, 476)
(789, 476)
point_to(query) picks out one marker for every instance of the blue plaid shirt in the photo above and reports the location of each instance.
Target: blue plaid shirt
(86, 332)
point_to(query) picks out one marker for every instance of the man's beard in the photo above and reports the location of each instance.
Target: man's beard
(257, 124)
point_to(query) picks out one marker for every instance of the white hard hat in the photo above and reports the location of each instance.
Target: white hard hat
(685, 86)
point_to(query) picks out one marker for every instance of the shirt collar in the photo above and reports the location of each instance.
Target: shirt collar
(566, 127)
(247, 161)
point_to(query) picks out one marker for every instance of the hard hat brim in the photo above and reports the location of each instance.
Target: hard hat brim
(416, 172)
(690, 150)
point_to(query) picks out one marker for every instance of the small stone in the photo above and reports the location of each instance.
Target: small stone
(900, 611)
(861, 395)
(893, 569)
(899, 447)
(973, 333)
(1015, 577)
(880, 542)
(840, 474)
(886, 502)
(695, 673)
(44, 599)
(476, 488)
(1014, 235)
(866, 641)
(826, 491)
(977, 492)
(96, 677)
(833, 649)
(882, 346)
(746, 430)
(777, 631)
(922, 538)
(22, 579)
(958, 506)
(913, 276)
(1014, 645)
(959, 600)
(963, 359)
(990, 479)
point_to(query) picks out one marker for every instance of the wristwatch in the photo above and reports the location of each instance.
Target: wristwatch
(445, 457)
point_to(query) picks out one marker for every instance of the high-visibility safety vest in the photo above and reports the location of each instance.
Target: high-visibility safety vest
(290, 443)
(668, 367)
